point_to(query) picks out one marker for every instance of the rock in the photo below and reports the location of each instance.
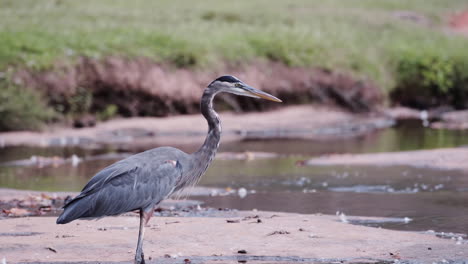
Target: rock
(84, 121)
(452, 120)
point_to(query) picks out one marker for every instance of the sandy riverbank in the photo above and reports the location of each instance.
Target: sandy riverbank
(447, 159)
(307, 121)
(306, 237)
(205, 236)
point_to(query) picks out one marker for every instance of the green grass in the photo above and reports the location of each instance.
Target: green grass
(361, 36)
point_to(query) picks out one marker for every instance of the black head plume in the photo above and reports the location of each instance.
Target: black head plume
(227, 78)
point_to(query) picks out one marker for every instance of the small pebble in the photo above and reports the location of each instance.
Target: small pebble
(280, 232)
(242, 192)
(52, 249)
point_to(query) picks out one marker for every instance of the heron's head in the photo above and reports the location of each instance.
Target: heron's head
(231, 84)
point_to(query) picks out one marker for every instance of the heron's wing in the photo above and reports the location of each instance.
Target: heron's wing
(125, 186)
(115, 170)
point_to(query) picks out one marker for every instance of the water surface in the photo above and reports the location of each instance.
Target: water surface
(433, 199)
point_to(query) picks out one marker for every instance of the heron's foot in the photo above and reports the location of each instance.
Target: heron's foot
(140, 258)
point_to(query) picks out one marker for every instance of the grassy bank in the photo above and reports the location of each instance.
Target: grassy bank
(392, 42)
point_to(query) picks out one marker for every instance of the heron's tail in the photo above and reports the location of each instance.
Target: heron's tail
(75, 209)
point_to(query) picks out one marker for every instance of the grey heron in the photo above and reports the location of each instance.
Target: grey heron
(140, 182)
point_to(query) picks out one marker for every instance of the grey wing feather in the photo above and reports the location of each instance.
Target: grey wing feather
(101, 178)
(122, 187)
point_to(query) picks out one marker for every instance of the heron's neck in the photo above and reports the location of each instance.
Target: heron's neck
(207, 151)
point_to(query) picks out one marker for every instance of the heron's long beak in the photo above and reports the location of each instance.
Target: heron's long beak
(261, 94)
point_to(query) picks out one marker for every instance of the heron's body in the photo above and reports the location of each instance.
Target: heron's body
(138, 182)
(142, 181)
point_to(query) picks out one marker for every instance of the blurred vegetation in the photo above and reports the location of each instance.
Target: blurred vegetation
(401, 45)
(21, 108)
(428, 80)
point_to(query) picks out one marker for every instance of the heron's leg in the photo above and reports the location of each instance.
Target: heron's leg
(145, 216)
(139, 256)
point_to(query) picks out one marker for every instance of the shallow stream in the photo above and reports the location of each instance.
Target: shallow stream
(413, 198)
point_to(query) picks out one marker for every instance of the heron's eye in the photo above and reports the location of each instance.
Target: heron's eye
(238, 85)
